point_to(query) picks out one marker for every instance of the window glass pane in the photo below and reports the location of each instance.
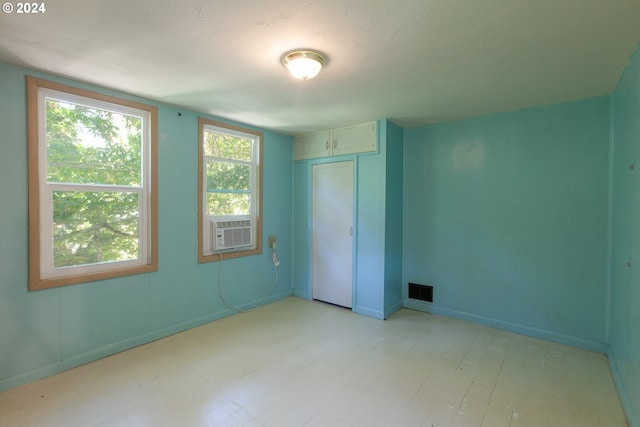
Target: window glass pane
(92, 146)
(227, 146)
(228, 203)
(94, 227)
(227, 176)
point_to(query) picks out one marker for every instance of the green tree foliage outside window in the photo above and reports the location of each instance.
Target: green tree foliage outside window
(93, 158)
(228, 162)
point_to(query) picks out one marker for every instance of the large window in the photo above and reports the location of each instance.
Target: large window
(92, 186)
(230, 191)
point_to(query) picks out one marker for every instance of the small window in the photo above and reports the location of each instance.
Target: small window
(230, 191)
(92, 186)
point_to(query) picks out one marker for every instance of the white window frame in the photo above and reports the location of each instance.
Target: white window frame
(206, 252)
(43, 274)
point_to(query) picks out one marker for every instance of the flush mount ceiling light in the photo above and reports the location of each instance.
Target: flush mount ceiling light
(304, 64)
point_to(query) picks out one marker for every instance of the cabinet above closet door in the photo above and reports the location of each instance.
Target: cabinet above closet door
(354, 139)
(338, 142)
(312, 146)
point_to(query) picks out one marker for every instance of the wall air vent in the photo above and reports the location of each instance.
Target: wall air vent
(232, 234)
(421, 292)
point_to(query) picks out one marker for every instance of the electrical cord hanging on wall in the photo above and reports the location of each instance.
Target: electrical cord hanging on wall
(276, 263)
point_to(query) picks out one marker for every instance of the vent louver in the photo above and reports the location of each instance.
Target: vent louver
(232, 234)
(421, 292)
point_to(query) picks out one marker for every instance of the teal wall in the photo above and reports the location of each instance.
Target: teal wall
(507, 217)
(393, 219)
(624, 324)
(302, 230)
(379, 226)
(47, 331)
(370, 230)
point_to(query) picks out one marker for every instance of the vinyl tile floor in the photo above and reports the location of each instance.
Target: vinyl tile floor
(304, 363)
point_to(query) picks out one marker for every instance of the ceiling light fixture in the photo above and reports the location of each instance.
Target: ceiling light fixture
(304, 64)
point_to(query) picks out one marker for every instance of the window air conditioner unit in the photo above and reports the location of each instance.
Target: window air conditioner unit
(232, 234)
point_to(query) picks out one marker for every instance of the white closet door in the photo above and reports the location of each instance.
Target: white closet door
(333, 233)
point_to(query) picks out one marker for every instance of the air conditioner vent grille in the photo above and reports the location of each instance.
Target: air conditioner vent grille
(232, 234)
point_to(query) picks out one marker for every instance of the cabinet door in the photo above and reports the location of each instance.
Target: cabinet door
(355, 139)
(312, 146)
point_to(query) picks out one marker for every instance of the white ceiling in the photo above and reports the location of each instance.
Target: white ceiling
(415, 62)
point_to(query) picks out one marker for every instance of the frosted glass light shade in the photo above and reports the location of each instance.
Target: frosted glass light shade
(304, 64)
